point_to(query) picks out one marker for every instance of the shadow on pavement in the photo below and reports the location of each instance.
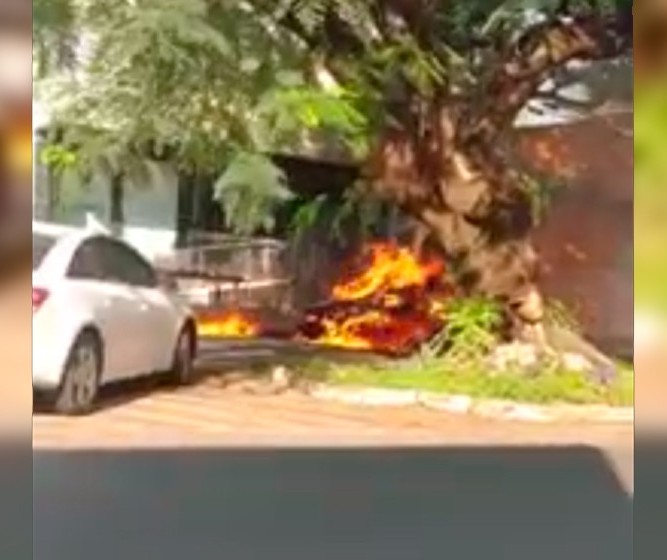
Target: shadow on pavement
(216, 359)
(338, 504)
(122, 393)
(116, 394)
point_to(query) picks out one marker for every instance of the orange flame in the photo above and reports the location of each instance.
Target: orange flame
(376, 330)
(390, 306)
(350, 332)
(231, 324)
(387, 307)
(392, 268)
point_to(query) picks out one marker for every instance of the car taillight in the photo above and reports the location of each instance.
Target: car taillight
(39, 296)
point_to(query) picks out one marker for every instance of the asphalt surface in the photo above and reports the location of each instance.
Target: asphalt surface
(343, 504)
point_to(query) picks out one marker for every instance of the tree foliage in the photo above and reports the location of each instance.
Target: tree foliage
(55, 28)
(214, 85)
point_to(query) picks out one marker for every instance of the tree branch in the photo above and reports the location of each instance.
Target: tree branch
(333, 39)
(530, 60)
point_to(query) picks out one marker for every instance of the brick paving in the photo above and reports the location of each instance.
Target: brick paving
(210, 414)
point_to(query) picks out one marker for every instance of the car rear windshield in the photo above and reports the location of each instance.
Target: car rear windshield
(41, 244)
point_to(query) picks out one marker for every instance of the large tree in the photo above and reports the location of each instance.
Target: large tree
(423, 91)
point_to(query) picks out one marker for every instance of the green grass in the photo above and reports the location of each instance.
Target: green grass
(460, 368)
(438, 376)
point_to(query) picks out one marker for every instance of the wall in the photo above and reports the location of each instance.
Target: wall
(586, 236)
(150, 208)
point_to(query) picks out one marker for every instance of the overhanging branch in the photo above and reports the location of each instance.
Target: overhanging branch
(532, 59)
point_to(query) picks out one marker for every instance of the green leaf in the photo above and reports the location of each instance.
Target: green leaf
(249, 190)
(306, 217)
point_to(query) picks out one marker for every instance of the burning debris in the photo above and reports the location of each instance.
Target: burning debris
(228, 324)
(389, 303)
(389, 306)
(392, 270)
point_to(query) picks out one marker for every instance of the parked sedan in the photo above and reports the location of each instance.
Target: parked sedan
(100, 315)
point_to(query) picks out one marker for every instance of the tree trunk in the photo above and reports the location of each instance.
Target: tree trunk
(184, 208)
(116, 204)
(490, 257)
(53, 183)
(484, 228)
(473, 205)
(445, 166)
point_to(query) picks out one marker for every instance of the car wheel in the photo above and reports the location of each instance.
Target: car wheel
(182, 368)
(81, 379)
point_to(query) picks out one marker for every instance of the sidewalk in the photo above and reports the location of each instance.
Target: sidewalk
(209, 415)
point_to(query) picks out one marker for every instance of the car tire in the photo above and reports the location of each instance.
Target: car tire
(182, 368)
(80, 383)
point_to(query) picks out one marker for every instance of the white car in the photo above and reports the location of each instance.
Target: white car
(100, 315)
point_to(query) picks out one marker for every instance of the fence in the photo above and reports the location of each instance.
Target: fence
(228, 271)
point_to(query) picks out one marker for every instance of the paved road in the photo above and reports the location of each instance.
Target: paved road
(365, 504)
(206, 473)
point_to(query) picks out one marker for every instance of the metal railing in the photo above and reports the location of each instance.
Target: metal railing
(228, 271)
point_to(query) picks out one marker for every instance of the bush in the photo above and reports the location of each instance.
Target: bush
(472, 329)
(456, 362)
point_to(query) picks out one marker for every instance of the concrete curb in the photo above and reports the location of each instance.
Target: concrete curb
(463, 404)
